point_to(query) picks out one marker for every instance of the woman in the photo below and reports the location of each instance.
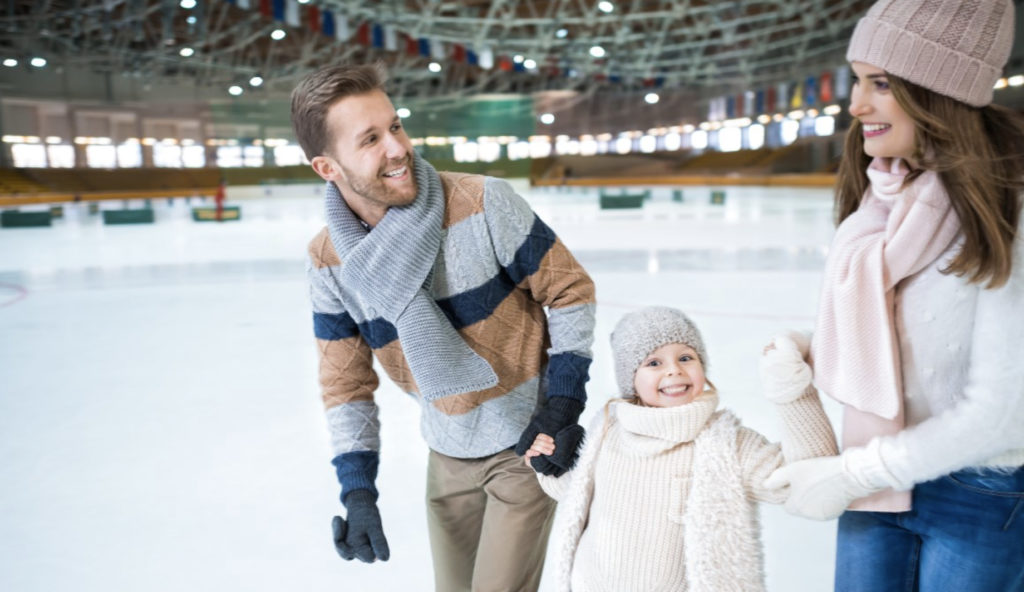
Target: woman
(921, 320)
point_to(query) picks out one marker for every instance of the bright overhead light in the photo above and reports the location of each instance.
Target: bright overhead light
(235, 90)
(529, 64)
(277, 34)
(191, 19)
(256, 80)
(547, 119)
(597, 51)
(1017, 80)
(434, 67)
(651, 98)
(518, 59)
(562, 33)
(38, 62)
(188, 4)
(605, 6)
(186, 52)
(10, 62)
(403, 112)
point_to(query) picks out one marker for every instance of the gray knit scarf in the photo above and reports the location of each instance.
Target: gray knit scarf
(387, 270)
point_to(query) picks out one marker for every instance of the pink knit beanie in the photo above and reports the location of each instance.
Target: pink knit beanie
(956, 48)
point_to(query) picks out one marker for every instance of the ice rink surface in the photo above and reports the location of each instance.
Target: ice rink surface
(160, 421)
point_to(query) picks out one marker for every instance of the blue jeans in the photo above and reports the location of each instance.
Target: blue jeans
(965, 532)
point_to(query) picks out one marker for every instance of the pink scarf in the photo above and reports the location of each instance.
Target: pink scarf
(895, 232)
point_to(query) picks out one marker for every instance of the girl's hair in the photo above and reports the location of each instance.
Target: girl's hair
(978, 154)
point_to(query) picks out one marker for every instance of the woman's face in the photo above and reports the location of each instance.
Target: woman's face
(888, 129)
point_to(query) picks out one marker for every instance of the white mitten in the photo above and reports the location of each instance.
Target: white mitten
(784, 373)
(821, 488)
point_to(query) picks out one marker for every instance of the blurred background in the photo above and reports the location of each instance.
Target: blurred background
(160, 420)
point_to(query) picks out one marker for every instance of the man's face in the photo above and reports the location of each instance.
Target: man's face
(369, 157)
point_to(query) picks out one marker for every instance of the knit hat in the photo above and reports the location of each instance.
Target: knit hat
(639, 333)
(956, 48)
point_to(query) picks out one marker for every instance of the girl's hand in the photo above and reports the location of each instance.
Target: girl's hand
(543, 444)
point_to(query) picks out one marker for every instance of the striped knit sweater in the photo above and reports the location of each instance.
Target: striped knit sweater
(499, 267)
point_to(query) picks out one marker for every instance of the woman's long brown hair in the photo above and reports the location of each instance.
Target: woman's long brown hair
(978, 154)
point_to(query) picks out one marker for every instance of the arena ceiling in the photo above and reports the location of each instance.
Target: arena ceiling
(690, 45)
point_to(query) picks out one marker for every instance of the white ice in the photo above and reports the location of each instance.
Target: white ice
(160, 422)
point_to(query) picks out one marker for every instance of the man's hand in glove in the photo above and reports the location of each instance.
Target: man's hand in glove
(361, 536)
(558, 419)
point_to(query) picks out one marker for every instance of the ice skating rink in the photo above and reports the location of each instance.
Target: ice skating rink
(160, 422)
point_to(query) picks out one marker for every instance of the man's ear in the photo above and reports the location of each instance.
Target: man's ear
(325, 167)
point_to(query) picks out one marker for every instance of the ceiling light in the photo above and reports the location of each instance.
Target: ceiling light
(1017, 80)
(403, 112)
(10, 62)
(38, 62)
(235, 90)
(547, 119)
(562, 33)
(277, 34)
(434, 67)
(597, 51)
(256, 81)
(605, 6)
(191, 19)
(186, 52)
(529, 64)
(518, 59)
(188, 4)
(651, 98)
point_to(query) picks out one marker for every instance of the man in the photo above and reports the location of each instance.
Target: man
(445, 279)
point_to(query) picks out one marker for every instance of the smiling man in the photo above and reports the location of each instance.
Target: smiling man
(470, 304)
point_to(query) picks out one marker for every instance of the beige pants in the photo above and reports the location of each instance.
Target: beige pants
(489, 522)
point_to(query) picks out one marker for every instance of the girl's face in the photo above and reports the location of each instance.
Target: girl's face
(669, 376)
(888, 129)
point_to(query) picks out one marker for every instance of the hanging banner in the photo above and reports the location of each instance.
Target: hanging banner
(291, 13)
(759, 97)
(797, 99)
(782, 96)
(842, 82)
(825, 90)
(486, 58)
(810, 91)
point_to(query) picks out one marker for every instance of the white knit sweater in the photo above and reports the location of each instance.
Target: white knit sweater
(662, 499)
(962, 351)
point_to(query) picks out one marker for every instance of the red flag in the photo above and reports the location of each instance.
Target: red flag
(504, 64)
(412, 46)
(266, 9)
(313, 16)
(459, 52)
(363, 33)
(825, 92)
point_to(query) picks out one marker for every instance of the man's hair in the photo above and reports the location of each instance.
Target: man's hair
(319, 91)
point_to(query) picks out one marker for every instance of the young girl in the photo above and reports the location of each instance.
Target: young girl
(662, 497)
(921, 320)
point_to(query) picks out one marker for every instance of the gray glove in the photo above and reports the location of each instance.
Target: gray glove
(362, 536)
